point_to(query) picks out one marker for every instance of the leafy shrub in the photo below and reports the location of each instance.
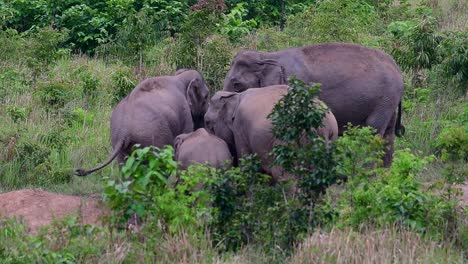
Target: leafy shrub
(143, 192)
(66, 241)
(452, 143)
(90, 85)
(55, 139)
(248, 210)
(198, 48)
(43, 46)
(394, 197)
(78, 117)
(215, 56)
(122, 84)
(303, 152)
(16, 113)
(415, 46)
(193, 32)
(358, 150)
(53, 95)
(233, 24)
(454, 51)
(32, 154)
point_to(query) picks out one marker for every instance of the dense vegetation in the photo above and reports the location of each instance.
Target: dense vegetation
(65, 64)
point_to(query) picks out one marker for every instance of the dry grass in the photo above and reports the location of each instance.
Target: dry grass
(382, 246)
(453, 14)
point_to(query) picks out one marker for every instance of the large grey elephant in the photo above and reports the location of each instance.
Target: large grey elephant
(155, 112)
(362, 86)
(241, 120)
(201, 147)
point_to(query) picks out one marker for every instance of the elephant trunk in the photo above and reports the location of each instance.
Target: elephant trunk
(399, 128)
(117, 149)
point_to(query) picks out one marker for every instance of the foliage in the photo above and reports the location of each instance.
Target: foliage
(248, 210)
(394, 197)
(358, 150)
(53, 95)
(65, 242)
(199, 25)
(454, 52)
(233, 24)
(122, 84)
(302, 152)
(16, 113)
(197, 48)
(143, 192)
(415, 46)
(44, 46)
(78, 117)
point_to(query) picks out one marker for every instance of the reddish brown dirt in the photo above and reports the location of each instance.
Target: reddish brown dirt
(38, 208)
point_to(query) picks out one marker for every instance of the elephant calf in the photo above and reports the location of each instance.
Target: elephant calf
(200, 147)
(155, 112)
(241, 120)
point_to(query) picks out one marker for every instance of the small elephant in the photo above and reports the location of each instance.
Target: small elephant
(241, 120)
(200, 147)
(155, 112)
(360, 85)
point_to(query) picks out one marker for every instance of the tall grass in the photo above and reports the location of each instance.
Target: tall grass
(373, 246)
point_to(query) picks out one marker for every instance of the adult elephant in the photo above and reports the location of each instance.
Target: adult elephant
(201, 147)
(362, 86)
(155, 112)
(241, 119)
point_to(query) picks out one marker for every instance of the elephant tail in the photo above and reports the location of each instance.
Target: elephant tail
(117, 149)
(399, 128)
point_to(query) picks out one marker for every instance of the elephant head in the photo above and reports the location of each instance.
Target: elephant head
(220, 115)
(196, 93)
(250, 69)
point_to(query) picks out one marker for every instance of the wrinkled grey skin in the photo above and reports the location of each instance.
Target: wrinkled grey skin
(241, 120)
(362, 86)
(200, 147)
(155, 112)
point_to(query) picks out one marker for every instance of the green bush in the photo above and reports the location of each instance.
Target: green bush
(16, 113)
(303, 152)
(415, 45)
(43, 46)
(143, 193)
(78, 117)
(394, 197)
(53, 95)
(248, 210)
(358, 150)
(196, 47)
(122, 84)
(454, 52)
(65, 241)
(233, 24)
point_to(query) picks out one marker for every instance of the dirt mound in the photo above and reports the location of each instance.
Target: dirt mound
(38, 208)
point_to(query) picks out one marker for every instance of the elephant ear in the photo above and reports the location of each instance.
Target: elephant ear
(230, 103)
(177, 142)
(193, 93)
(272, 73)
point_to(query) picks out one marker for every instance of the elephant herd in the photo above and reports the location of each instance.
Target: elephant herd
(360, 85)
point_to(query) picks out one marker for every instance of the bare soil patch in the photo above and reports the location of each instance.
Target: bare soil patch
(38, 208)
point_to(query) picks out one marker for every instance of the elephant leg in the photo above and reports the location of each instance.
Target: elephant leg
(384, 123)
(389, 137)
